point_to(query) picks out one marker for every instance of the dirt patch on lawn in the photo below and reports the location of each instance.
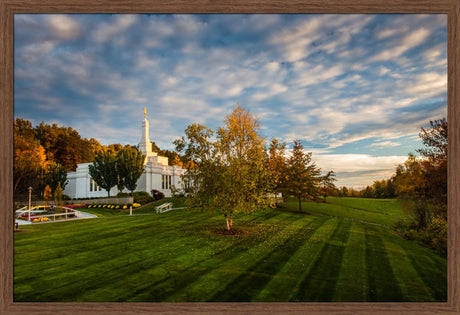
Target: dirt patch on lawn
(234, 232)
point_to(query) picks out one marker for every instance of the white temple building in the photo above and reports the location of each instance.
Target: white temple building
(158, 175)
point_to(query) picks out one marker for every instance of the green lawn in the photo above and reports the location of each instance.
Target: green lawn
(330, 254)
(379, 211)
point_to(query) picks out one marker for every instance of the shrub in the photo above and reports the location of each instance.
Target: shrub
(143, 199)
(437, 235)
(158, 195)
(433, 236)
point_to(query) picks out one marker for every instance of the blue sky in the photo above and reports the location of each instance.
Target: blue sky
(356, 89)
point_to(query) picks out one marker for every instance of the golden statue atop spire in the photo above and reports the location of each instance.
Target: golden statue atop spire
(145, 113)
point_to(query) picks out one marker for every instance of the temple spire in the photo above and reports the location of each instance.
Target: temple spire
(145, 145)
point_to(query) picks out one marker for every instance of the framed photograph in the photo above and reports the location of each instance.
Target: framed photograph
(196, 157)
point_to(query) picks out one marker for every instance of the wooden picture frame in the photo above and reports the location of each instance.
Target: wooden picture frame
(10, 7)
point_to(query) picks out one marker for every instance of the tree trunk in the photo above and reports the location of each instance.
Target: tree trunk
(231, 220)
(300, 204)
(228, 223)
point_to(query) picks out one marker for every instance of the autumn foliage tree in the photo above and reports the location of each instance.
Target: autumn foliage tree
(230, 174)
(29, 162)
(277, 166)
(423, 181)
(36, 148)
(327, 186)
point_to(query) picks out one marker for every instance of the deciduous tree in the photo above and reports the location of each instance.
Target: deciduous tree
(129, 166)
(29, 164)
(277, 166)
(103, 170)
(55, 174)
(229, 174)
(47, 194)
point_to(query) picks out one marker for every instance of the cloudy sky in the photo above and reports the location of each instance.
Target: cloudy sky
(355, 89)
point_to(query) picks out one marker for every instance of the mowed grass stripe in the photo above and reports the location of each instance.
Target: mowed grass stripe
(84, 263)
(164, 277)
(383, 285)
(284, 284)
(411, 284)
(255, 244)
(84, 241)
(341, 211)
(222, 272)
(253, 280)
(352, 280)
(101, 268)
(86, 231)
(156, 274)
(167, 276)
(391, 207)
(432, 269)
(320, 282)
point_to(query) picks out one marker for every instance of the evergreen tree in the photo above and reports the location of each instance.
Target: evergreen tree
(302, 174)
(327, 184)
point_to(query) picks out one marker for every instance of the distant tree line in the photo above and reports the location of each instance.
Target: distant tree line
(43, 155)
(380, 189)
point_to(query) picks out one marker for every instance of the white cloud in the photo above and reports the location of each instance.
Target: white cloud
(387, 33)
(271, 91)
(309, 74)
(34, 51)
(385, 144)
(110, 30)
(428, 84)
(63, 26)
(398, 48)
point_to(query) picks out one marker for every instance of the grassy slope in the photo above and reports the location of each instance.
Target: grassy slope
(174, 257)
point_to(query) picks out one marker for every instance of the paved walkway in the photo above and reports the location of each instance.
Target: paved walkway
(82, 215)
